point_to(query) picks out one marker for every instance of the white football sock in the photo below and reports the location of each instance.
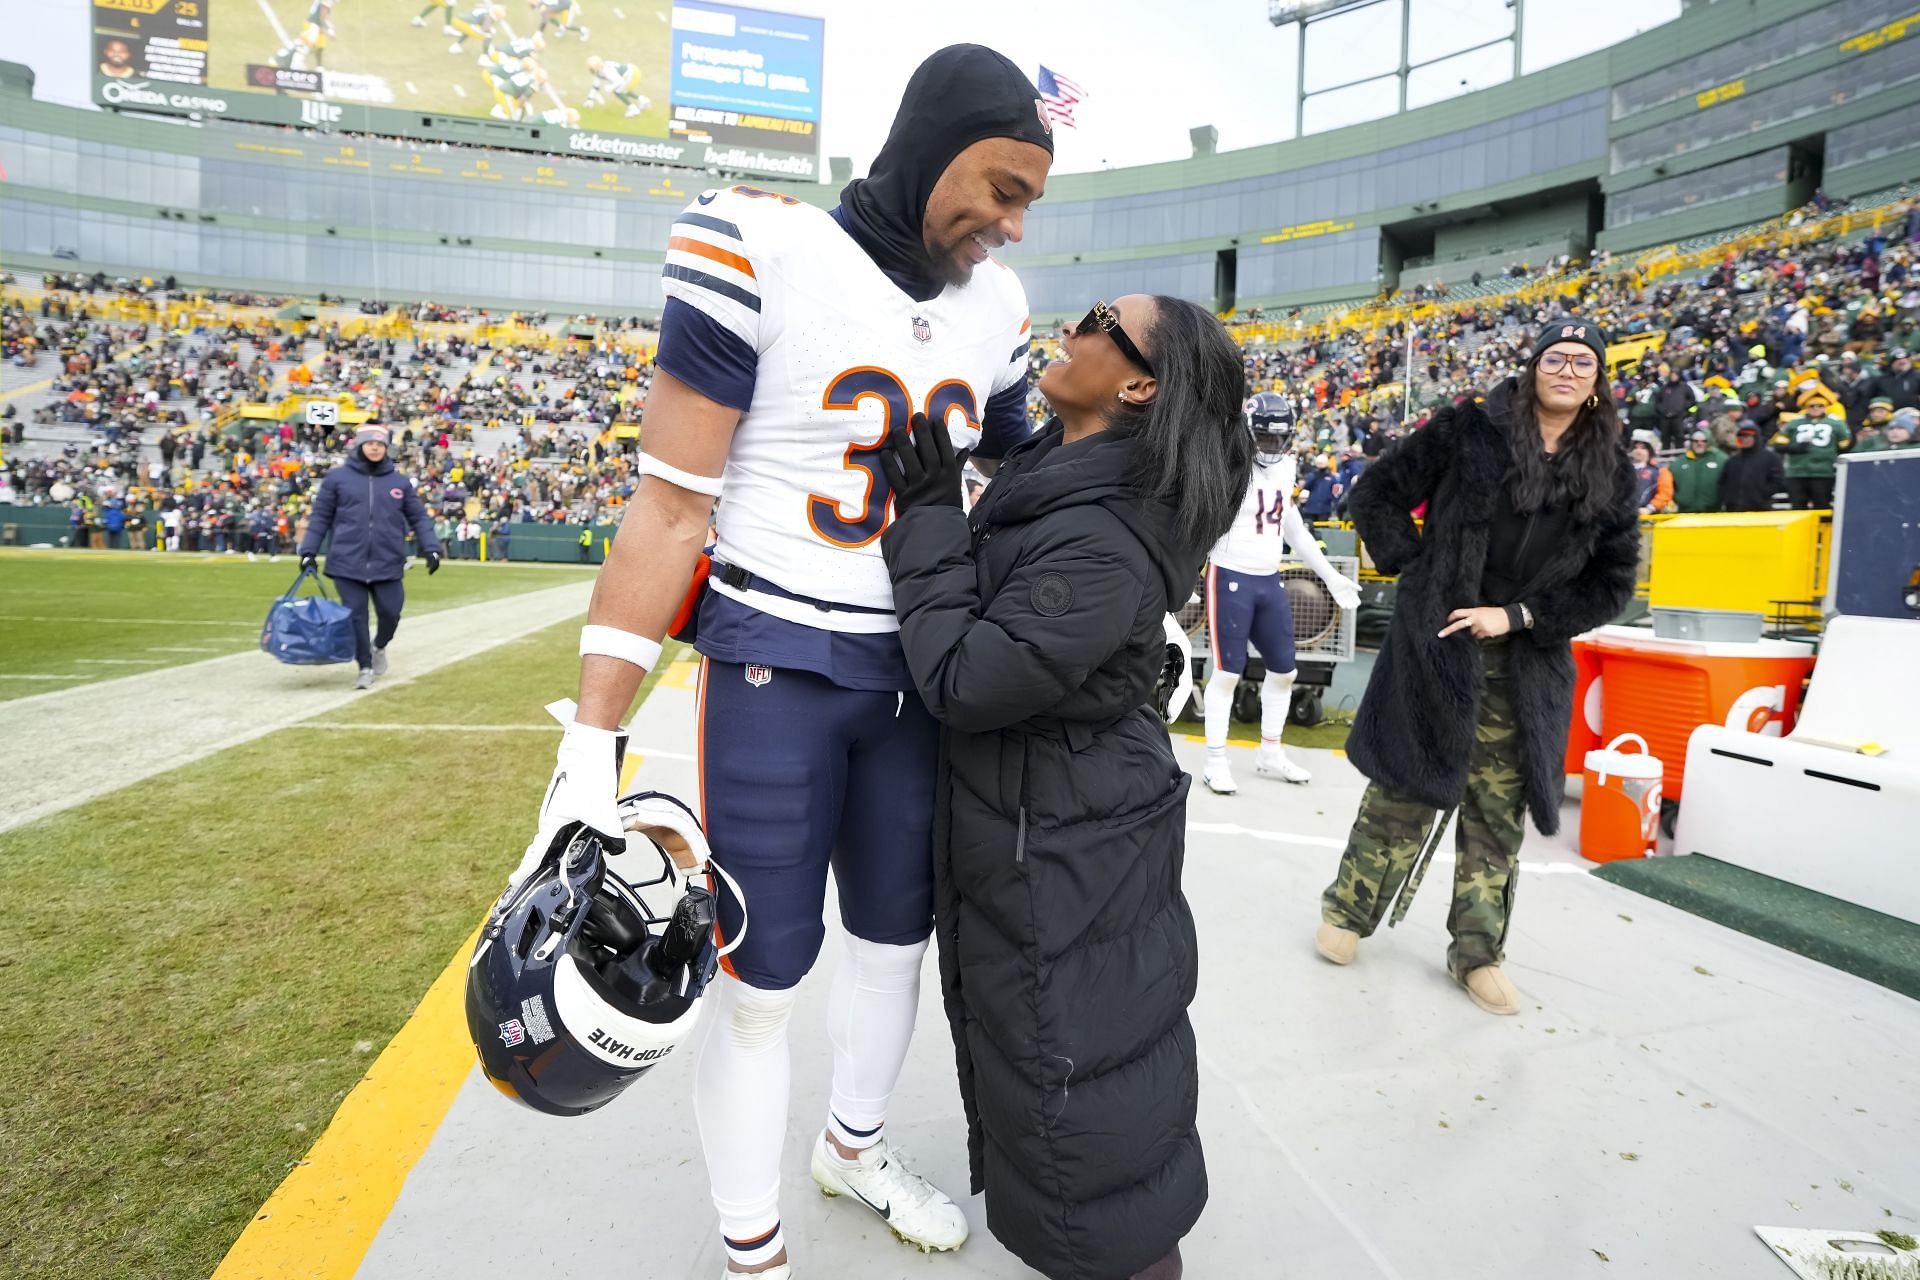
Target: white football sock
(1276, 695)
(870, 1013)
(1218, 704)
(741, 1080)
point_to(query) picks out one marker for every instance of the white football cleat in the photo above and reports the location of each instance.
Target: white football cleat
(1218, 777)
(449, 30)
(418, 21)
(1274, 760)
(913, 1208)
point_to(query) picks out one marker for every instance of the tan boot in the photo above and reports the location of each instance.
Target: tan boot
(1491, 990)
(1335, 943)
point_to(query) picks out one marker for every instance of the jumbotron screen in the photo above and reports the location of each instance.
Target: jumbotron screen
(693, 83)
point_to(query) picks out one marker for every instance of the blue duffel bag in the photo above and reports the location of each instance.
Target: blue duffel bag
(308, 630)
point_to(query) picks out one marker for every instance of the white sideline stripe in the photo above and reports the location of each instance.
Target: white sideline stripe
(199, 708)
(274, 22)
(1276, 837)
(1328, 842)
(145, 622)
(20, 675)
(120, 662)
(186, 648)
(396, 726)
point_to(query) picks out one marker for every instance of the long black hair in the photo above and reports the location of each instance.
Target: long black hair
(1582, 474)
(1194, 448)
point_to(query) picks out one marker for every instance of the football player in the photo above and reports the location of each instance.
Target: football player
(621, 79)
(1246, 599)
(309, 48)
(792, 341)
(484, 22)
(445, 8)
(566, 13)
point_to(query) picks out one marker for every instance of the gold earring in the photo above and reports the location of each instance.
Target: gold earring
(1593, 400)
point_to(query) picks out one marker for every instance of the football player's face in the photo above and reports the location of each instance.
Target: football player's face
(117, 54)
(980, 203)
(1091, 371)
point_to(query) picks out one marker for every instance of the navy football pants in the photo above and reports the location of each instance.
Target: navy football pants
(798, 774)
(1249, 606)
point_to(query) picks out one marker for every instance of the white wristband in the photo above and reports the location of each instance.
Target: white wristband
(611, 642)
(652, 466)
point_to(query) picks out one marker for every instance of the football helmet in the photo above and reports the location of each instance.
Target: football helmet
(1270, 417)
(589, 972)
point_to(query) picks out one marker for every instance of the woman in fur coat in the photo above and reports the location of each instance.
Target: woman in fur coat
(1530, 538)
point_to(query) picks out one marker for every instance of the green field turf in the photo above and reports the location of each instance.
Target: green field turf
(207, 961)
(375, 38)
(80, 616)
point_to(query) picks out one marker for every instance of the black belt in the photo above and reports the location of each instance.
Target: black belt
(742, 580)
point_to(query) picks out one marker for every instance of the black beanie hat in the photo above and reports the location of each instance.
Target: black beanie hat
(960, 95)
(1571, 329)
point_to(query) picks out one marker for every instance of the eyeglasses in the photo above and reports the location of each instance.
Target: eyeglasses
(1559, 361)
(1103, 319)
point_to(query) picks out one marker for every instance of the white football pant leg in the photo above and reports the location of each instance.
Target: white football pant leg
(1276, 695)
(870, 1013)
(741, 1080)
(1218, 704)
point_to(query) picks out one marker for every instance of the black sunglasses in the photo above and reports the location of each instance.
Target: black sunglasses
(1103, 319)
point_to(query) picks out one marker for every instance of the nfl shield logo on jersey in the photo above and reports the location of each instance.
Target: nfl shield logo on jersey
(922, 331)
(757, 676)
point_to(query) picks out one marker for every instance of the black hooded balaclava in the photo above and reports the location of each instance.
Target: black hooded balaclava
(958, 96)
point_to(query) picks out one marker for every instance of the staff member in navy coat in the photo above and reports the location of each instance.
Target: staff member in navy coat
(368, 506)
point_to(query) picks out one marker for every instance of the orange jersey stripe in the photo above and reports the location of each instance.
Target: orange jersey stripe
(705, 250)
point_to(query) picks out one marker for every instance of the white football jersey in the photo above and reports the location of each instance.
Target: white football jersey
(1255, 544)
(844, 356)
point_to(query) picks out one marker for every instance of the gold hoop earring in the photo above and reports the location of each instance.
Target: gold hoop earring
(1593, 401)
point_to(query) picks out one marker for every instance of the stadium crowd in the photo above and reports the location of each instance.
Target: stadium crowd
(1755, 375)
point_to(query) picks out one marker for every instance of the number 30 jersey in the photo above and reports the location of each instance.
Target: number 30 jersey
(774, 309)
(1255, 544)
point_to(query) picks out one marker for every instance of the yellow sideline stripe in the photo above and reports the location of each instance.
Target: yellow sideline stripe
(320, 1221)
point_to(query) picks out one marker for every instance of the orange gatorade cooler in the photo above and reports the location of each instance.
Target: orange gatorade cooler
(1583, 734)
(1620, 806)
(1665, 689)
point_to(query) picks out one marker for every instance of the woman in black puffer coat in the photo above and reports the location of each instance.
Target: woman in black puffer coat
(1034, 632)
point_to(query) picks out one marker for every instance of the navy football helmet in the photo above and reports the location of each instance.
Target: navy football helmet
(1270, 417)
(589, 972)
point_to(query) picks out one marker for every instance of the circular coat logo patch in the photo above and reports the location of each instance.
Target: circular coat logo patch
(396, 494)
(1052, 595)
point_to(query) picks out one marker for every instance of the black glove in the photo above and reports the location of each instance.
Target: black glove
(309, 562)
(433, 563)
(923, 468)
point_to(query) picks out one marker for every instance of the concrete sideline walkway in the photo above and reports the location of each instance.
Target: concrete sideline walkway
(199, 708)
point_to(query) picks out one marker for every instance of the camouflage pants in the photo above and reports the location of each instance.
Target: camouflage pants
(1391, 827)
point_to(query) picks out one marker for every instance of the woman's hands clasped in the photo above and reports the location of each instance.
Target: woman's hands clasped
(1486, 622)
(922, 467)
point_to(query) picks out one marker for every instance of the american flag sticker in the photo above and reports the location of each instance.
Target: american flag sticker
(512, 1033)
(533, 1011)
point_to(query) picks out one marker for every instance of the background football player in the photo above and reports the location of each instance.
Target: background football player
(309, 48)
(621, 79)
(792, 340)
(445, 8)
(484, 22)
(564, 14)
(1246, 599)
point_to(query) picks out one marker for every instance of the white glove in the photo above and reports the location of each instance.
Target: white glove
(1345, 591)
(584, 789)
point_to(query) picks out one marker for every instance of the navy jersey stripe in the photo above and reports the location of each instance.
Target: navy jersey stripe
(1020, 352)
(707, 356)
(1004, 424)
(713, 284)
(720, 225)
